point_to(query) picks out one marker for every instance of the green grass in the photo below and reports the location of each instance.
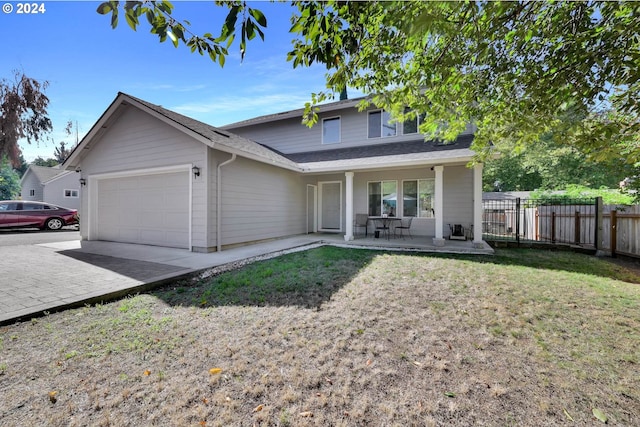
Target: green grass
(305, 278)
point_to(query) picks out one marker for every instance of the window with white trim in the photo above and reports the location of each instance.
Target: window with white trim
(32, 193)
(71, 193)
(382, 198)
(418, 197)
(380, 124)
(331, 130)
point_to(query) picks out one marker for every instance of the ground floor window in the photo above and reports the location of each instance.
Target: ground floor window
(70, 193)
(383, 197)
(417, 198)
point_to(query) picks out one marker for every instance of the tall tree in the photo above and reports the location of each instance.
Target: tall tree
(61, 152)
(512, 68)
(23, 114)
(50, 162)
(548, 165)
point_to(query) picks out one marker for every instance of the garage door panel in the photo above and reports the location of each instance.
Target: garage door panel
(151, 209)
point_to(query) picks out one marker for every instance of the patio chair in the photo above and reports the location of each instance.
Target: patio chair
(405, 224)
(361, 221)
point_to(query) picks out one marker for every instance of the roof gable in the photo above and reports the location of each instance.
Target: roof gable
(207, 134)
(42, 173)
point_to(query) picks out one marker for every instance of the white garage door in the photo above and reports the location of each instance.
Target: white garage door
(145, 209)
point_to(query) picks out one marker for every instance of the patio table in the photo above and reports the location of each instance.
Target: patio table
(386, 222)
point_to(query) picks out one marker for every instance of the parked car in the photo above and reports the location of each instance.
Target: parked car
(17, 213)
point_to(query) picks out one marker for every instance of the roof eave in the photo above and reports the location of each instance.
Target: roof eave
(390, 164)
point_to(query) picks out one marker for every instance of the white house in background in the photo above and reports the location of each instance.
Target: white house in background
(153, 176)
(52, 185)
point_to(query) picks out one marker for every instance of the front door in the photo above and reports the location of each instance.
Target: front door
(330, 206)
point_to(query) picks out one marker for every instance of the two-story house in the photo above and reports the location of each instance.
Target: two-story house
(153, 176)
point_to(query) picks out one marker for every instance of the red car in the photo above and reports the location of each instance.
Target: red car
(18, 213)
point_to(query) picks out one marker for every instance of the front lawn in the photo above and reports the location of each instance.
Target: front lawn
(343, 337)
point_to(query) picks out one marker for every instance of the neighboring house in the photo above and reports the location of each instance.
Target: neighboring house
(157, 177)
(52, 185)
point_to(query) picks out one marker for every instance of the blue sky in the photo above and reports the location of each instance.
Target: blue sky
(86, 63)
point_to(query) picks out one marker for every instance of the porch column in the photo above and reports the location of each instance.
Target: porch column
(477, 205)
(349, 207)
(439, 209)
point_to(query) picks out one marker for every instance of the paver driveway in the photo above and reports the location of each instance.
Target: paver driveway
(50, 271)
(47, 271)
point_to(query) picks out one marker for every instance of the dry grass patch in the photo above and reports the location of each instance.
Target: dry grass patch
(343, 337)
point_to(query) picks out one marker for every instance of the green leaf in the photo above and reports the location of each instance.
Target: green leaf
(599, 415)
(114, 19)
(450, 394)
(173, 38)
(131, 20)
(258, 16)
(177, 30)
(104, 8)
(250, 30)
(150, 16)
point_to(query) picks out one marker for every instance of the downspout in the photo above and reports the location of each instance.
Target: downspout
(219, 202)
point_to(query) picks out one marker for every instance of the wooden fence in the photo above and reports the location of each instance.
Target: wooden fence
(620, 230)
(582, 222)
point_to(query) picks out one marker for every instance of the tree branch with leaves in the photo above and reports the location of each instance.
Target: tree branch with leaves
(513, 69)
(23, 114)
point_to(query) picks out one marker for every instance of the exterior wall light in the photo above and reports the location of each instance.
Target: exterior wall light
(83, 182)
(196, 171)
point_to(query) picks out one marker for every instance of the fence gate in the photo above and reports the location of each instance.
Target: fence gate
(561, 221)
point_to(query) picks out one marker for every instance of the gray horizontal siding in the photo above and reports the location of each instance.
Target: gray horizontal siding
(54, 191)
(137, 141)
(31, 182)
(458, 196)
(291, 136)
(261, 202)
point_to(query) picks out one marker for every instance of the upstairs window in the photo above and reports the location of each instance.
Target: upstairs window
(380, 125)
(32, 193)
(410, 126)
(331, 130)
(71, 193)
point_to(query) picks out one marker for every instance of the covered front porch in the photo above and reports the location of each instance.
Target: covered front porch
(460, 198)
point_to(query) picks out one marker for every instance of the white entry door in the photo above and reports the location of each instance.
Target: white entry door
(145, 209)
(330, 206)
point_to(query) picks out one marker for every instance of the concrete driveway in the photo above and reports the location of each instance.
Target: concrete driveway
(50, 271)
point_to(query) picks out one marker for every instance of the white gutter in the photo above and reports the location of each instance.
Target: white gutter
(219, 202)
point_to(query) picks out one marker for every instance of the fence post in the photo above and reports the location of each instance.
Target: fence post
(553, 227)
(518, 220)
(614, 232)
(598, 228)
(577, 228)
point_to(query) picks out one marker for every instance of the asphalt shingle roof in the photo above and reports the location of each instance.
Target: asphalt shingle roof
(381, 150)
(45, 173)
